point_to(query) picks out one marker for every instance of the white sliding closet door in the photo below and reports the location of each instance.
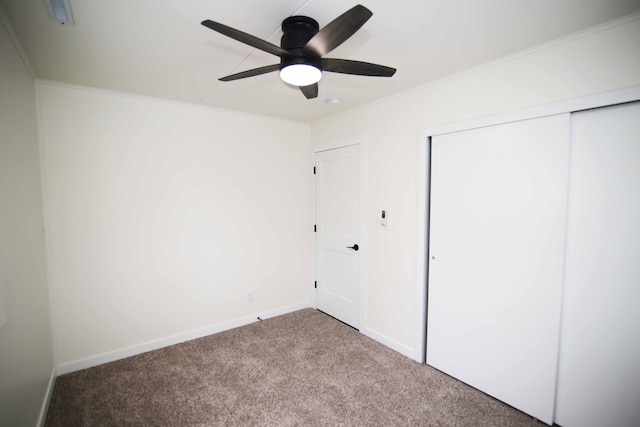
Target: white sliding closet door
(497, 229)
(599, 372)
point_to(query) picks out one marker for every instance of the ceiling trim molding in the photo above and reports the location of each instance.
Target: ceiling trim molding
(4, 20)
(167, 101)
(541, 47)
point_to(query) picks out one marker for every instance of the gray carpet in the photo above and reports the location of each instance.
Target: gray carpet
(303, 368)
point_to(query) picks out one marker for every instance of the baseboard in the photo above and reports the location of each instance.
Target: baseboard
(89, 362)
(392, 344)
(47, 398)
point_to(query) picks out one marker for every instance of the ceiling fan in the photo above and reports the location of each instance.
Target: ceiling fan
(302, 48)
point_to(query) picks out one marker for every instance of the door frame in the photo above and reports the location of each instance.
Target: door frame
(424, 161)
(361, 141)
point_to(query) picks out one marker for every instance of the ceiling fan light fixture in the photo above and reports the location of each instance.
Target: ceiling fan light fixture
(300, 74)
(303, 47)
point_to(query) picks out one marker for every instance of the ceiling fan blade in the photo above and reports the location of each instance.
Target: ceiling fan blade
(346, 66)
(338, 30)
(245, 38)
(251, 73)
(310, 91)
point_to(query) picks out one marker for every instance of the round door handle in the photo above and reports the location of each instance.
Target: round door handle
(354, 247)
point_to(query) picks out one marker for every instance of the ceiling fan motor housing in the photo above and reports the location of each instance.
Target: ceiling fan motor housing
(297, 31)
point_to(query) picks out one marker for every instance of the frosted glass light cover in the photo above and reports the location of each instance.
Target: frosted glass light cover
(300, 74)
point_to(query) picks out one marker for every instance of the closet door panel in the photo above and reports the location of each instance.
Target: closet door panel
(497, 228)
(599, 368)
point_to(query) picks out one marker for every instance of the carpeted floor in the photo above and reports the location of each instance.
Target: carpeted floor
(303, 368)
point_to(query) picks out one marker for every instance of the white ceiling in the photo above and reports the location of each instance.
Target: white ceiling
(158, 48)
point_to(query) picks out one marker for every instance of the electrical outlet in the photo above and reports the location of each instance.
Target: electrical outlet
(250, 297)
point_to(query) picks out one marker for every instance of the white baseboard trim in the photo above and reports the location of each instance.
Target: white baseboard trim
(392, 344)
(111, 356)
(47, 398)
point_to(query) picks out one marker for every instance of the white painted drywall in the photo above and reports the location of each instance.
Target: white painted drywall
(163, 216)
(593, 62)
(26, 355)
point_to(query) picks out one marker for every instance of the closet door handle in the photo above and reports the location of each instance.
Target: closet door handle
(354, 247)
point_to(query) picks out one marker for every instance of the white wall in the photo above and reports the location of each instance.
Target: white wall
(163, 216)
(26, 355)
(604, 59)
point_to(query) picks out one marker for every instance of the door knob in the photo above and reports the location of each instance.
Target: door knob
(354, 247)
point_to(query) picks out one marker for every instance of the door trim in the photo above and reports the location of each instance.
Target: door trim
(346, 142)
(424, 144)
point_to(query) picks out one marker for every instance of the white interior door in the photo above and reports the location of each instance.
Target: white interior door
(338, 232)
(599, 370)
(497, 228)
